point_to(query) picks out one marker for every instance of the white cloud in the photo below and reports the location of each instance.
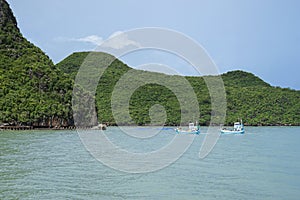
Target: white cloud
(115, 34)
(94, 39)
(119, 40)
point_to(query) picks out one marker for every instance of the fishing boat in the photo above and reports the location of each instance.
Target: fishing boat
(99, 127)
(192, 129)
(238, 128)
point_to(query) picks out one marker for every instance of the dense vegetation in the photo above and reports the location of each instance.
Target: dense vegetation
(34, 91)
(248, 97)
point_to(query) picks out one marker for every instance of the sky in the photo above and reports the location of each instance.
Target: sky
(261, 37)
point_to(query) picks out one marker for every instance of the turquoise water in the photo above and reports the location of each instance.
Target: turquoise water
(262, 164)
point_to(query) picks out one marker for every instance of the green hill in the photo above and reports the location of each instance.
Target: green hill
(33, 91)
(242, 79)
(248, 97)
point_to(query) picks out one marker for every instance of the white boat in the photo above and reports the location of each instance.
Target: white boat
(99, 127)
(191, 130)
(238, 128)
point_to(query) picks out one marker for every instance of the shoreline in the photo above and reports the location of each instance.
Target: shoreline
(26, 128)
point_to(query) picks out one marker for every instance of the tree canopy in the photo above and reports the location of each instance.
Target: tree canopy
(248, 97)
(34, 91)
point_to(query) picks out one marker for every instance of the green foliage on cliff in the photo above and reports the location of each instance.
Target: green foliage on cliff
(248, 97)
(33, 91)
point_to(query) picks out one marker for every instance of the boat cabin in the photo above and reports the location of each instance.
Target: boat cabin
(192, 127)
(237, 126)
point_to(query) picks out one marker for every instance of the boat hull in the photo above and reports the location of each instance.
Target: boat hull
(187, 132)
(232, 132)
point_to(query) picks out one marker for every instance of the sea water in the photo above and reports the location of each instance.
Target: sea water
(264, 163)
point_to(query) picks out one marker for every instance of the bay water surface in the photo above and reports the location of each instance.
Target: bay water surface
(264, 163)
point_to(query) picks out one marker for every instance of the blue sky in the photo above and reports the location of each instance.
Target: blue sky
(262, 37)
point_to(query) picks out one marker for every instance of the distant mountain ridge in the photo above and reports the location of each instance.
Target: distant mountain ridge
(248, 97)
(243, 79)
(35, 92)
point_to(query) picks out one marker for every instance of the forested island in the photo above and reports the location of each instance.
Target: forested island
(35, 92)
